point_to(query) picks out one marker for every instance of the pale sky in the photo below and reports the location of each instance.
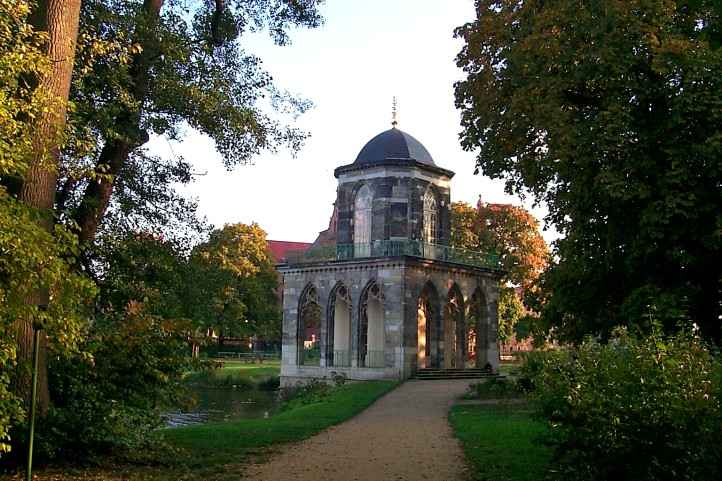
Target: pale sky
(367, 52)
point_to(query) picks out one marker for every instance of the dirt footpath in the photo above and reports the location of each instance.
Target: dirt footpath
(403, 436)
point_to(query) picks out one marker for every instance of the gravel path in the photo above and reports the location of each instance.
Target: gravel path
(404, 436)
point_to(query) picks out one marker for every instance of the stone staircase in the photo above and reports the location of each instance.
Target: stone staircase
(429, 374)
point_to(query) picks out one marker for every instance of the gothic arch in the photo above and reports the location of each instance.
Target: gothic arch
(454, 329)
(308, 326)
(338, 328)
(362, 220)
(478, 332)
(428, 321)
(371, 336)
(430, 216)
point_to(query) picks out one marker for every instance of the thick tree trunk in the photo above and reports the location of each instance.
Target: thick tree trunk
(59, 18)
(97, 195)
(114, 155)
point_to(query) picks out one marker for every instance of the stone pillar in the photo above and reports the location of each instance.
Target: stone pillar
(492, 347)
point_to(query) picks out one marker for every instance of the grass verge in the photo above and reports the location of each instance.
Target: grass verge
(500, 442)
(217, 452)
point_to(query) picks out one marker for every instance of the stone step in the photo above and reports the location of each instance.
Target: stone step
(452, 371)
(434, 374)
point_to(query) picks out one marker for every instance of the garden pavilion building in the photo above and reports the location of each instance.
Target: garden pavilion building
(385, 295)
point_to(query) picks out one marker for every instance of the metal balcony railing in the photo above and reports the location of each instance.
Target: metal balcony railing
(395, 248)
(374, 359)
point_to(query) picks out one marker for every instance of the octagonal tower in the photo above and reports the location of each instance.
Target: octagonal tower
(399, 184)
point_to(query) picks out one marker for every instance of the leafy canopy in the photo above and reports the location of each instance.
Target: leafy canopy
(611, 113)
(512, 233)
(507, 230)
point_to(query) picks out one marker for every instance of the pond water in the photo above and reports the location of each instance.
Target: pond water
(225, 404)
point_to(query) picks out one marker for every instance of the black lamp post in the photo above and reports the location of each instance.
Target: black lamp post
(37, 327)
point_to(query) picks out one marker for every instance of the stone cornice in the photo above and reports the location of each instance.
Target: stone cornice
(385, 262)
(393, 163)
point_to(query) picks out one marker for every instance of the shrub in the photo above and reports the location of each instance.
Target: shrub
(270, 383)
(496, 388)
(313, 391)
(632, 409)
(108, 399)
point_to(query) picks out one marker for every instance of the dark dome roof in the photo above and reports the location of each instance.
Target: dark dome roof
(393, 145)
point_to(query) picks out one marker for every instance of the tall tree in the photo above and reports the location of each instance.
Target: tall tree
(611, 113)
(512, 233)
(59, 20)
(188, 68)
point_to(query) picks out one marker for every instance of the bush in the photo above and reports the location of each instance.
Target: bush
(270, 383)
(632, 409)
(496, 388)
(531, 366)
(314, 391)
(108, 399)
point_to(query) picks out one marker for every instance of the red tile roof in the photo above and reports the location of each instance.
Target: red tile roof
(280, 248)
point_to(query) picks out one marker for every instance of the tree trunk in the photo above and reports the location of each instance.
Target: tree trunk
(59, 18)
(114, 155)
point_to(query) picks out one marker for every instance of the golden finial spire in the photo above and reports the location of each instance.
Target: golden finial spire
(394, 112)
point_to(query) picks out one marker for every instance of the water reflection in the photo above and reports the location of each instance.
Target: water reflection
(216, 405)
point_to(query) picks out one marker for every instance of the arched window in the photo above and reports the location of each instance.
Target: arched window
(309, 327)
(431, 218)
(362, 222)
(371, 344)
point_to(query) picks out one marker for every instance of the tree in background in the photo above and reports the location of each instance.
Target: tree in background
(238, 274)
(512, 233)
(611, 114)
(158, 297)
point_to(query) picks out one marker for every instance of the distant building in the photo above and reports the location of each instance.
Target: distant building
(380, 294)
(281, 249)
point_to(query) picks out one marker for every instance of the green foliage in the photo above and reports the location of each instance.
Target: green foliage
(511, 309)
(21, 59)
(610, 112)
(238, 281)
(496, 388)
(632, 409)
(32, 259)
(149, 69)
(500, 442)
(108, 398)
(312, 392)
(227, 283)
(207, 81)
(147, 269)
(235, 374)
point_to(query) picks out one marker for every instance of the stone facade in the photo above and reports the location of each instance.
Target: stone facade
(401, 281)
(398, 200)
(400, 301)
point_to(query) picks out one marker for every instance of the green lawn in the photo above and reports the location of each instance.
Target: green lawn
(236, 373)
(499, 442)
